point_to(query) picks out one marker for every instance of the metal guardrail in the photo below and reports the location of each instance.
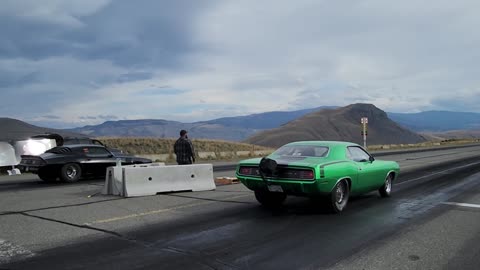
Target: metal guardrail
(233, 166)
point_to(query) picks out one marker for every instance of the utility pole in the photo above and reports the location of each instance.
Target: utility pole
(364, 122)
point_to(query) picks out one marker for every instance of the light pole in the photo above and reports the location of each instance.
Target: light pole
(364, 122)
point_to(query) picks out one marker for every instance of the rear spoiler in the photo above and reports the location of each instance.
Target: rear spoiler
(52, 136)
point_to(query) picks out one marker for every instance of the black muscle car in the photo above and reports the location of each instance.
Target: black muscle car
(72, 162)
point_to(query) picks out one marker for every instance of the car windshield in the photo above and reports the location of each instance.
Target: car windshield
(302, 151)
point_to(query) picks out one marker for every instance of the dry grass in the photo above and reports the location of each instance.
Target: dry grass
(145, 146)
(429, 144)
(151, 146)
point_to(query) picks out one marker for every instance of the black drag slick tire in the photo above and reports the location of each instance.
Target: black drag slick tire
(70, 173)
(47, 175)
(270, 199)
(338, 199)
(386, 190)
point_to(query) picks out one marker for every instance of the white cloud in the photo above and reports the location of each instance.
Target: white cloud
(62, 12)
(241, 57)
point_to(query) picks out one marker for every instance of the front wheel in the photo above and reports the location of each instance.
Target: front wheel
(70, 173)
(339, 197)
(386, 190)
(270, 199)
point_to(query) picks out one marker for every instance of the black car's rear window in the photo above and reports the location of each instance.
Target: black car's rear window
(60, 150)
(302, 151)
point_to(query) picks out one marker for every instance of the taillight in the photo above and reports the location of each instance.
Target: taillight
(246, 170)
(306, 175)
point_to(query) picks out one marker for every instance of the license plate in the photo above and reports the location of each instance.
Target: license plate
(275, 188)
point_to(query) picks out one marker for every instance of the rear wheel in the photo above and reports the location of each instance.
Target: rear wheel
(47, 175)
(71, 172)
(270, 199)
(339, 197)
(386, 190)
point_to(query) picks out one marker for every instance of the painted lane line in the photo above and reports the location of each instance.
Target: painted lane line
(437, 173)
(470, 205)
(430, 162)
(159, 211)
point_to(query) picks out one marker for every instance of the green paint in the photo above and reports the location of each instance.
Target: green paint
(364, 176)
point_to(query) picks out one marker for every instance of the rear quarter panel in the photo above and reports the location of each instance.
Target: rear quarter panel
(384, 168)
(333, 173)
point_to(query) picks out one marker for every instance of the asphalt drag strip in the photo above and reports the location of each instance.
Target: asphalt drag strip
(227, 229)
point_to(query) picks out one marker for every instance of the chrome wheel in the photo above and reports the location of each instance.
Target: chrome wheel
(71, 172)
(339, 197)
(339, 194)
(386, 189)
(388, 185)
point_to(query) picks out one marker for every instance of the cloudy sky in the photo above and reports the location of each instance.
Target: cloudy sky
(67, 63)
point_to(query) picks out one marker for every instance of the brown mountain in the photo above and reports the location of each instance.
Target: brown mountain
(341, 124)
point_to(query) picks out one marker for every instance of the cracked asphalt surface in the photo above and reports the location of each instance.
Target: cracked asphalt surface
(52, 226)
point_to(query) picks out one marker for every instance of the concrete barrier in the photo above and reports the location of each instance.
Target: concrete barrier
(114, 182)
(243, 153)
(227, 154)
(161, 157)
(142, 180)
(262, 152)
(207, 155)
(156, 164)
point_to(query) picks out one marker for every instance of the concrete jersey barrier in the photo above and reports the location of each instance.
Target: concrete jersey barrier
(133, 181)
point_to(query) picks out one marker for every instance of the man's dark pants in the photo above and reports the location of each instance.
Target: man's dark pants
(184, 162)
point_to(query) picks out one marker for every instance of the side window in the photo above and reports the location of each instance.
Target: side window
(97, 151)
(80, 151)
(358, 154)
(97, 142)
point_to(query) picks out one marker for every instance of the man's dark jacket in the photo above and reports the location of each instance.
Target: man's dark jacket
(183, 148)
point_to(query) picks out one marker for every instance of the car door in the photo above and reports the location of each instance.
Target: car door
(369, 175)
(98, 159)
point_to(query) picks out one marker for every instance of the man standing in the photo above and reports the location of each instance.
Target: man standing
(183, 148)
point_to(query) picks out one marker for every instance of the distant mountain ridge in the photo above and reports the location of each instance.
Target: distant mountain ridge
(227, 128)
(342, 124)
(434, 121)
(241, 127)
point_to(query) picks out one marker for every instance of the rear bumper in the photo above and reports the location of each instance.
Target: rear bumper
(293, 187)
(29, 168)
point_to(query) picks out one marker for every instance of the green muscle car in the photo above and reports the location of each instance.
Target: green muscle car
(318, 169)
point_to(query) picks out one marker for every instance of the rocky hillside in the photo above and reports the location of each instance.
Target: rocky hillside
(341, 124)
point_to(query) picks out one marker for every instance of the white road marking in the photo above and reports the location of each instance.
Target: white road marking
(9, 252)
(440, 172)
(470, 205)
(159, 211)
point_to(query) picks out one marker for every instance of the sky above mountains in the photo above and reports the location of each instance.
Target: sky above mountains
(72, 63)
